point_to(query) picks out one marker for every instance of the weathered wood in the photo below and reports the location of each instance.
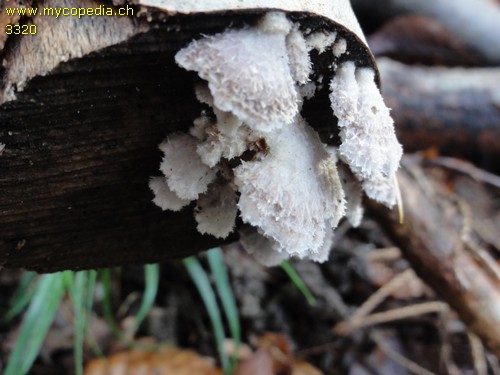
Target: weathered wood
(432, 239)
(481, 17)
(81, 144)
(413, 39)
(80, 147)
(454, 110)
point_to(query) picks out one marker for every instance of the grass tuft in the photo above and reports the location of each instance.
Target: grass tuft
(225, 292)
(81, 286)
(202, 283)
(298, 282)
(47, 296)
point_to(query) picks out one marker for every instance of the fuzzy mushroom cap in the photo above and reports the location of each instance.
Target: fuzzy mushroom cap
(369, 145)
(254, 152)
(216, 210)
(186, 174)
(320, 40)
(298, 53)
(262, 248)
(290, 194)
(165, 198)
(248, 74)
(227, 138)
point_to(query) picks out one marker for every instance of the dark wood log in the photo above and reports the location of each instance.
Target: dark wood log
(482, 18)
(422, 40)
(454, 110)
(81, 144)
(431, 238)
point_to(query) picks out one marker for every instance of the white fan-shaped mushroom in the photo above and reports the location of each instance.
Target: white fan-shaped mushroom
(298, 54)
(353, 196)
(369, 145)
(165, 198)
(344, 95)
(323, 252)
(186, 174)
(375, 123)
(382, 189)
(339, 48)
(320, 40)
(227, 137)
(248, 74)
(283, 195)
(290, 190)
(216, 210)
(262, 248)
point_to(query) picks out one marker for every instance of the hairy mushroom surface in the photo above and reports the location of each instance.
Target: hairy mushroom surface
(256, 154)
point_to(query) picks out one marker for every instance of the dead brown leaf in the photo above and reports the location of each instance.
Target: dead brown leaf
(275, 357)
(167, 360)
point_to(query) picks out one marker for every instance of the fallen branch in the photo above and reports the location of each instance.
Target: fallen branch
(430, 239)
(400, 313)
(80, 127)
(454, 110)
(482, 18)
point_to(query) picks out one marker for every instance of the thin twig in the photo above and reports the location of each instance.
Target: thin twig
(480, 254)
(384, 254)
(398, 358)
(347, 327)
(399, 201)
(494, 363)
(445, 351)
(374, 300)
(464, 167)
(382, 293)
(477, 352)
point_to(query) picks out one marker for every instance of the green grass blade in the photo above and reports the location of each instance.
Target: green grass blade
(107, 311)
(91, 285)
(298, 282)
(92, 282)
(106, 304)
(81, 287)
(36, 322)
(202, 283)
(75, 286)
(22, 296)
(152, 275)
(225, 291)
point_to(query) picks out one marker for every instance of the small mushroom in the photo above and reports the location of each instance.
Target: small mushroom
(259, 156)
(292, 200)
(248, 72)
(369, 145)
(186, 174)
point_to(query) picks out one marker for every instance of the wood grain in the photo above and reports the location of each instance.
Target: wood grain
(81, 144)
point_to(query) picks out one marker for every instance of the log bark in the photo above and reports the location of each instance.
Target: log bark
(422, 40)
(431, 238)
(454, 110)
(81, 143)
(482, 18)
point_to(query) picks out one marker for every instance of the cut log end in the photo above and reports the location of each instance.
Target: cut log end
(81, 141)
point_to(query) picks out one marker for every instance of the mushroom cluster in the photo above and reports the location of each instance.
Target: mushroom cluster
(256, 155)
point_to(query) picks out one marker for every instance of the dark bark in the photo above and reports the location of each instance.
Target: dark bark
(81, 144)
(422, 40)
(454, 110)
(475, 22)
